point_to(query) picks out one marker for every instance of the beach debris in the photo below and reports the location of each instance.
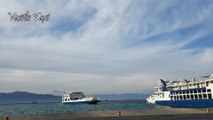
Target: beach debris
(119, 113)
(6, 117)
(208, 110)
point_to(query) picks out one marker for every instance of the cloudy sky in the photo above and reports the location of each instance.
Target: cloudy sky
(104, 46)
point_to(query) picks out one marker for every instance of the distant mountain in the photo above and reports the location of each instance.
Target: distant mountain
(125, 96)
(26, 97)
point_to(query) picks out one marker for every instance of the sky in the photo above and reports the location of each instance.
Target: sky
(104, 46)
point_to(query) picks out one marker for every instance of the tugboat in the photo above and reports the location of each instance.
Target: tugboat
(78, 98)
(187, 93)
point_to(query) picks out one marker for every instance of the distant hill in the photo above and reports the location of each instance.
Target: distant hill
(26, 97)
(125, 96)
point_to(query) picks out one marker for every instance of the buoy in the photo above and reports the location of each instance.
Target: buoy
(119, 113)
(207, 110)
(6, 117)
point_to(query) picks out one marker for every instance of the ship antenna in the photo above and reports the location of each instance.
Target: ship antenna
(193, 79)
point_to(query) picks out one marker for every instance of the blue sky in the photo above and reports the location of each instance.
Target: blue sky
(108, 46)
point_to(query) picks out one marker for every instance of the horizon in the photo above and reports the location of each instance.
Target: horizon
(103, 46)
(26, 97)
(17, 91)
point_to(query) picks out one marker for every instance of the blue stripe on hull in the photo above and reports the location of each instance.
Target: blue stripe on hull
(86, 102)
(187, 103)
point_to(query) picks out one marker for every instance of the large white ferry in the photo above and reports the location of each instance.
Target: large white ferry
(190, 93)
(78, 98)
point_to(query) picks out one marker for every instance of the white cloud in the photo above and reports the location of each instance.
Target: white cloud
(112, 46)
(44, 82)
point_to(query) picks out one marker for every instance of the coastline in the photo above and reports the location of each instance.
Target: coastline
(152, 114)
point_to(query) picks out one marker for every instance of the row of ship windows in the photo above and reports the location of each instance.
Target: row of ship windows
(192, 91)
(71, 99)
(202, 84)
(192, 97)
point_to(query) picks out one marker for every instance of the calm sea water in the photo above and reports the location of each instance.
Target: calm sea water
(51, 108)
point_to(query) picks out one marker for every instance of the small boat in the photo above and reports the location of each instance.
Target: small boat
(187, 93)
(78, 98)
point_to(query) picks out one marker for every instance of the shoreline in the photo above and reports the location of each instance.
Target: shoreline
(164, 112)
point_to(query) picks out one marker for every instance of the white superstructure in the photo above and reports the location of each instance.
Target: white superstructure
(77, 98)
(189, 93)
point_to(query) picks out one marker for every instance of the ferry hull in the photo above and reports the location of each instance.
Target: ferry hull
(187, 103)
(76, 103)
(82, 102)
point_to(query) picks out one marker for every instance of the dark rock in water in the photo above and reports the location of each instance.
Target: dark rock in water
(34, 102)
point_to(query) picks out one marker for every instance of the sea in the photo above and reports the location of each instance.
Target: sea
(54, 108)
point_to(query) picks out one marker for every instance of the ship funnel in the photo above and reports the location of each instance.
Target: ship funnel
(163, 82)
(164, 88)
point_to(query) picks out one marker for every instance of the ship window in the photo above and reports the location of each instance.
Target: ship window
(181, 98)
(200, 96)
(187, 96)
(184, 97)
(199, 91)
(210, 96)
(204, 90)
(195, 91)
(204, 96)
(207, 83)
(177, 97)
(208, 90)
(195, 96)
(192, 96)
(187, 92)
(191, 91)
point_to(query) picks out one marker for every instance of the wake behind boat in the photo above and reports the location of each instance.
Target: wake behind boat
(78, 98)
(184, 94)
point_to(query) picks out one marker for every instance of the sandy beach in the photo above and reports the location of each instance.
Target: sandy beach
(153, 114)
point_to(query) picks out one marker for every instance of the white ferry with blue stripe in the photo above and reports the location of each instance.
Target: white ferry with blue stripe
(184, 94)
(78, 98)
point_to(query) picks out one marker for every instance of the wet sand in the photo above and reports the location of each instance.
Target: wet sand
(154, 114)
